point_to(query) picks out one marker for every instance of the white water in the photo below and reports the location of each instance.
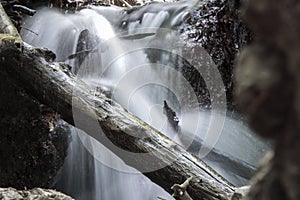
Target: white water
(123, 67)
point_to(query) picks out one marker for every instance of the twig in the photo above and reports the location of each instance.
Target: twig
(180, 190)
(136, 36)
(79, 53)
(24, 9)
(29, 30)
(160, 198)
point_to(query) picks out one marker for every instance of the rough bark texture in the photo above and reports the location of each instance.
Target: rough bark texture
(268, 92)
(32, 145)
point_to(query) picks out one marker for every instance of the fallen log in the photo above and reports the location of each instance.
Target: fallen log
(55, 85)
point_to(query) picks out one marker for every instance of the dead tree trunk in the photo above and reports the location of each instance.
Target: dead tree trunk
(54, 85)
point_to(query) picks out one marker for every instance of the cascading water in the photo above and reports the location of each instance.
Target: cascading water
(116, 60)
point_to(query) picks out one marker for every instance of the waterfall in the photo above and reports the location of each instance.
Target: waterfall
(114, 51)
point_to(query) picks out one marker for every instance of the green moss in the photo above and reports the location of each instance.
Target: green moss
(12, 39)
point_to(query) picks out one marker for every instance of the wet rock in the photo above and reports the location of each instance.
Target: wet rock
(216, 26)
(171, 116)
(212, 27)
(32, 142)
(87, 43)
(36, 194)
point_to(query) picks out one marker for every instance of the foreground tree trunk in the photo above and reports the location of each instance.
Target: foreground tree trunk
(54, 85)
(268, 92)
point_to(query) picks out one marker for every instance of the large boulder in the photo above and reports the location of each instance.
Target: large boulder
(32, 143)
(216, 26)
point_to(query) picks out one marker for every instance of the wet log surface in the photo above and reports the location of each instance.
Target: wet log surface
(54, 85)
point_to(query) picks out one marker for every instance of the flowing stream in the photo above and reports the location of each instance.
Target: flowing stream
(111, 51)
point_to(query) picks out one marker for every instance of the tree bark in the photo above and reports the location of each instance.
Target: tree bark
(55, 85)
(268, 85)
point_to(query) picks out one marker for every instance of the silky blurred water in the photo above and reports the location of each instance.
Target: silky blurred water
(122, 66)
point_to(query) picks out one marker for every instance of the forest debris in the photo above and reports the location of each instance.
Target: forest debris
(31, 31)
(180, 190)
(240, 192)
(160, 198)
(136, 36)
(24, 10)
(171, 116)
(80, 53)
